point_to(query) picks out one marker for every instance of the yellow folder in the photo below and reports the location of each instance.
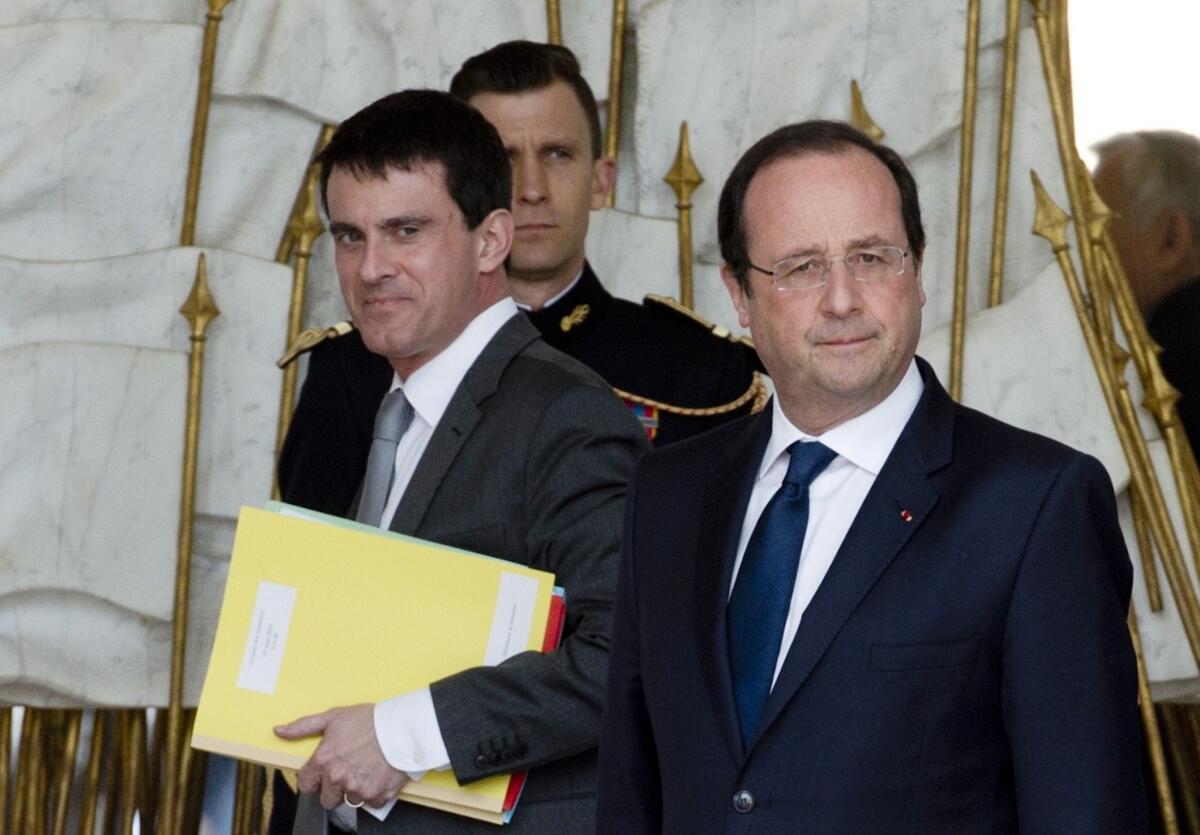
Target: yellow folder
(317, 615)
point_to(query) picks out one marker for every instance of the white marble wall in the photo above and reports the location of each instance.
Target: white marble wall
(99, 102)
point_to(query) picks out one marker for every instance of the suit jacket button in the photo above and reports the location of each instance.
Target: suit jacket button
(481, 761)
(743, 802)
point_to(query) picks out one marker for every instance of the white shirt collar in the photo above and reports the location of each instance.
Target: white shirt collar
(865, 441)
(557, 295)
(431, 386)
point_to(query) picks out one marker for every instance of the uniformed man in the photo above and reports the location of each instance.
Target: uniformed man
(669, 366)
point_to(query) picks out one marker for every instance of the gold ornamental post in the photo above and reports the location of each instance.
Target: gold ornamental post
(1160, 395)
(91, 774)
(1004, 152)
(958, 326)
(5, 759)
(1050, 222)
(553, 22)
(303, 228)
(684, 178)
(208, 60)
(69, 728)
(616, 73)
(1154, 742)
(1141, 533)
(199, 310)
(1051, 37)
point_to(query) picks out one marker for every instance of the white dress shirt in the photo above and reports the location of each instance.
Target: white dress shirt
(862, 445)
(406, 725)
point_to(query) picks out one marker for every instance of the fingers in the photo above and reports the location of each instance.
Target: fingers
(312, 725)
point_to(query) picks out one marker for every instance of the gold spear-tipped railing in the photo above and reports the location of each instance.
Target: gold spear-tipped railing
(1106, 294)
(1154, 741)
(860, 117)
(68, 746)
(1051, 223)
(684, 178)
(616, 75)
(1160, 395)
(208, 60)
(199, 309)
(1008, 96)
(5, 760)
(303, 228)
(958, 325)
(553, 22)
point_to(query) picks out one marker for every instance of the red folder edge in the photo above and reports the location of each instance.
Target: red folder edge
(554, 630)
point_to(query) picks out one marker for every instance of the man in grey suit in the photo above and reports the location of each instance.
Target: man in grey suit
(489, 440)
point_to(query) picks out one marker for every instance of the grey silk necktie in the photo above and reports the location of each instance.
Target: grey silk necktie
(391, 422)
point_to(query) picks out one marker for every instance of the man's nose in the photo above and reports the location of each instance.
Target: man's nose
(374, 264)
(529, 181)
(841, 295)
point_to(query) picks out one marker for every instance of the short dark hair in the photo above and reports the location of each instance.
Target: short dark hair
(522, 66)
(813, 136)
(412, 127)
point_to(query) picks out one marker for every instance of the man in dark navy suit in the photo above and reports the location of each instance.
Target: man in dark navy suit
(867, 609)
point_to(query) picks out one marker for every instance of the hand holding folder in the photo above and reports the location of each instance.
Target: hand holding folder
(321, 612)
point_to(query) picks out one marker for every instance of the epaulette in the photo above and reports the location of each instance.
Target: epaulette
(310, 338)
(757, 394)
(719, 331)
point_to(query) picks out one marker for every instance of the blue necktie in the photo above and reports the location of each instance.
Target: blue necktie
(762, 593)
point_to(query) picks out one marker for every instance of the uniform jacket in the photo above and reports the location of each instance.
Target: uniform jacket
(964, 667)
(651, 352)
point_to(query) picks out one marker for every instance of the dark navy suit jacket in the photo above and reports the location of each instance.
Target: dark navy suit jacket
(964, 667)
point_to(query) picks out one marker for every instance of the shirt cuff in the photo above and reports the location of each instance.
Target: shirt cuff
(407, 729)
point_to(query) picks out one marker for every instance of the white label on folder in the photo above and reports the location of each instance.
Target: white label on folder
(512, 619)
(268, 636)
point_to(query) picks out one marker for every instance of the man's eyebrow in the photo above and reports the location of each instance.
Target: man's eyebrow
(337, 227)
(560, 142)
(399, 221)
(869, 241)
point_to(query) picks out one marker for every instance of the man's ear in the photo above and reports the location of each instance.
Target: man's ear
(736, 294)
(1172, 242)
(495, 239)
(604, 173)
(918, 275)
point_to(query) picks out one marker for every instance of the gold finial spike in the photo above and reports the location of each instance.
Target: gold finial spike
(1049, 221)
(303, 216)
(859, 117)
(200, 309)
(684, 177)
(1097, 211)
(215, 7)
(305, 224)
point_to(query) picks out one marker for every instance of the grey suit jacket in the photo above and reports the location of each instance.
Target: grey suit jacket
(529, 463)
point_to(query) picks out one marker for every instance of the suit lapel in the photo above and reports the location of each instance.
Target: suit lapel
(461, 417)
(896, 506)
(725, 500)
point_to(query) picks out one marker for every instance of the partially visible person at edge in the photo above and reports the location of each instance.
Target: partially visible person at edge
(1151, 182)
(488, 440)
(867, 609)
(660, 359)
